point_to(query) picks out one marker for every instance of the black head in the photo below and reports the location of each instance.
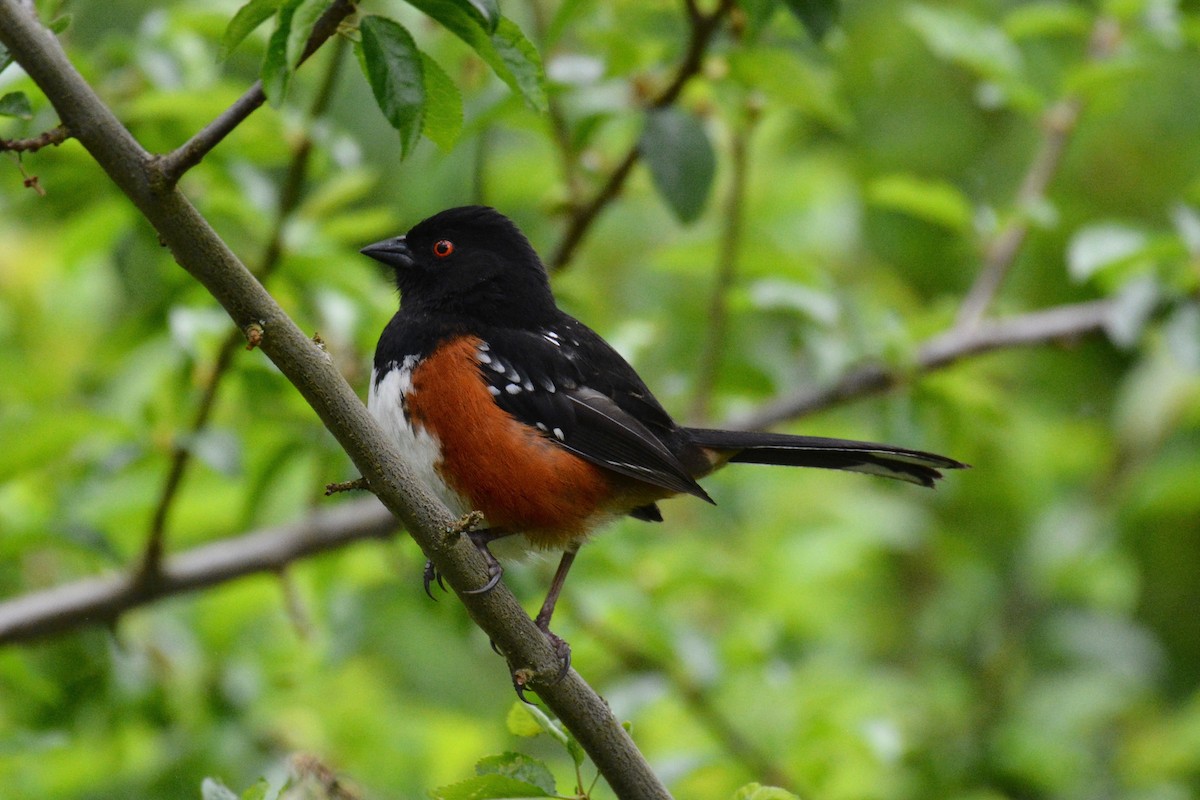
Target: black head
(470, 261)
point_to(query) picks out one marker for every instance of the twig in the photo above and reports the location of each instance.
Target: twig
(51, 138)
(103, 600)
(173, 165)
(702, 28)
(198, 249)
(1061, 323)
(1058, 124)
(727, 254)
(290, 195)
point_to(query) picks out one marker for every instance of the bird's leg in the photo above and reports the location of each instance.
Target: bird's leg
(542, 620)
(480, 538)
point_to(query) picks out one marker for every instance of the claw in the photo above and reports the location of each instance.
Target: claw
(480, 539)
(562, 650)
(520, 678)
(431, 574)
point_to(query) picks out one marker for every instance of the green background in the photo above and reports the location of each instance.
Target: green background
(1028, 630)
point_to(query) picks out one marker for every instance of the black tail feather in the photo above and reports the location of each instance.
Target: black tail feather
(753, 447)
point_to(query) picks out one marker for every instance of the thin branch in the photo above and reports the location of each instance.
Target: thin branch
(96, 601)
(702, 29)
(99, 601)
(290, 194)
(727, 254)
(51, 138)
(1058, 124)
(173, 165)
(198, 249)
(1061, 323)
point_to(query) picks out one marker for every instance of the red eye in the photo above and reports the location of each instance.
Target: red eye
(443, 248)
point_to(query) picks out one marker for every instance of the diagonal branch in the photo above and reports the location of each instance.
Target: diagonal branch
(198, 249)
(1058, 124)
(732, 222)
(1061, 323)
(290, 195)
(173, 165)
(703, 27)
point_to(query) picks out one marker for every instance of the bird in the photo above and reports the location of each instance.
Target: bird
(505, 405)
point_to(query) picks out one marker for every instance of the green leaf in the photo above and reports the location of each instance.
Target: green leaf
(488, 11)
(5, 58)
(443, 119)
(506, 50)
(524, 64)
(519, 766)
(395, 71)
(16, 104)
(522, 723)
(60, 24)
(1036, 20)
(817, 16)
(930, 200)
(258, 791)
(783, 75)
(958, 37)
(1096, 247)
(276, 73)
(756, 791)
(303, 21)
(213, 789)
(244, 22)
(488, 787)
(681, 160)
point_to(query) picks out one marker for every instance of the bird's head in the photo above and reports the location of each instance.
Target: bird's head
(471, 261)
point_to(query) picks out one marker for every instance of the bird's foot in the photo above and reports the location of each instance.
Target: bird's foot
(561, 649)
(467, 525)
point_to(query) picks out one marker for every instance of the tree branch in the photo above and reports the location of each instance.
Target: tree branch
(51, 138)
(173, 165)
(727, 253)
(1058, 124)
(198, 249)
(103, 600)
(1061, 323)
(703, 26)
(290, 194)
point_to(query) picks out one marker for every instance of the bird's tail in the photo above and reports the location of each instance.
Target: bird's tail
(752, 447)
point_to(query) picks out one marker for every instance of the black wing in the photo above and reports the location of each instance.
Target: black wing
(569, 384)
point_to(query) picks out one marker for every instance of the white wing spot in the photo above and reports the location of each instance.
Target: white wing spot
(548, 385)
(498, 366)
(527, 385)
(541, 426)
(493, 391)
(513, 388)
(558, 434)
(483, 358)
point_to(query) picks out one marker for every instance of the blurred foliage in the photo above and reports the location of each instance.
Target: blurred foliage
(1026, 631)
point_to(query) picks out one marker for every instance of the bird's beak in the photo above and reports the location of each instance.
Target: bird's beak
(393, 252)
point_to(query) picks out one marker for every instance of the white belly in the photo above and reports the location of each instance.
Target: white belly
(419, 448)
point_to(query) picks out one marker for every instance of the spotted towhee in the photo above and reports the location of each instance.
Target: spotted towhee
(505, 405)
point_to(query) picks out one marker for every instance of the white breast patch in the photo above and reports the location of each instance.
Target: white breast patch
(420, 449)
